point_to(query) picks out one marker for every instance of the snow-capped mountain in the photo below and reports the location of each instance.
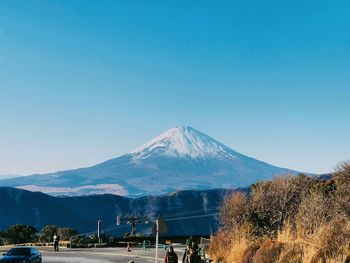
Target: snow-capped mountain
(183, 142)
(180, 158)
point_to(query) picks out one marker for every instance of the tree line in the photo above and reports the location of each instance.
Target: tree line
(21, 233)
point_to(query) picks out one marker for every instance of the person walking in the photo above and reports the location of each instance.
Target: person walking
(170, 256)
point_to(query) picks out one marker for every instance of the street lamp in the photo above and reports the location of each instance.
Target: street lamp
(99, 231)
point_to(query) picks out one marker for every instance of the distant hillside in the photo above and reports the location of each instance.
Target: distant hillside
(185, 212)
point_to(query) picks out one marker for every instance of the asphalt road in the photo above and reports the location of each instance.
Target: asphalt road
(103, 255)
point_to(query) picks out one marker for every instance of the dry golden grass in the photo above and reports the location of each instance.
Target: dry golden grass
(220, 247)
(269, 252)
(237, 250)
(318, 230)
(291, 253)
(329, 244)
(249, 253)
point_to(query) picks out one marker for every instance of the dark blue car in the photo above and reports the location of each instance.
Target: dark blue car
(22, 255)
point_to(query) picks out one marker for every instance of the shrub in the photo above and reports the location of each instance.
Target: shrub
(249, 253)
(302, 220)
(220, 246)
(18, 234)
(84, 241)
(47, 233)
(332, 240)
(315, 210)
(268, 252)
(274, 202)
(342, 179)
(239, 244)
(66, 233)
(232, 211)
(292, 253)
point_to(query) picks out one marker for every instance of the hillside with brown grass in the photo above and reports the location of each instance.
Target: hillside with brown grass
(291, 219)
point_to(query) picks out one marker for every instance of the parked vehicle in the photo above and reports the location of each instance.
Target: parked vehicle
(22, 255)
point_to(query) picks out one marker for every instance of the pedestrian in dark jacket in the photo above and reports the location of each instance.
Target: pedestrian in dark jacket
(170, 256)
(187, 251)
(56, 240)
(195, 246)
(193, 257)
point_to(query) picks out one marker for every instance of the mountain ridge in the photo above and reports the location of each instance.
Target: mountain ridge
(181, 158)
(82, 212)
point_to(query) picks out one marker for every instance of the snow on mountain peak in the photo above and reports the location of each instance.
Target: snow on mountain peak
(183, 141)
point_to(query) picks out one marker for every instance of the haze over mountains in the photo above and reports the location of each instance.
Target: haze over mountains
(178, 159)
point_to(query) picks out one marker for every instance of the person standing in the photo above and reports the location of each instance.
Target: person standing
(192, 256)
(170, 256)
(189, 241)
(56, 240)
(187, 251)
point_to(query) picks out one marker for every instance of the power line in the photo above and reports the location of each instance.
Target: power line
(189, 212)
(113, 227)
(190, 217)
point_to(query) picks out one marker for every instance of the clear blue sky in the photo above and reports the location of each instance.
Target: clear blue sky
(85, 81)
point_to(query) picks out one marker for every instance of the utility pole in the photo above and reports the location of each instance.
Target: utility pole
(99, 231)
(157, 239)
(132, 220)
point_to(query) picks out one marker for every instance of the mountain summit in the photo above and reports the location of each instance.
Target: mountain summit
(178, 159)
(183, 142)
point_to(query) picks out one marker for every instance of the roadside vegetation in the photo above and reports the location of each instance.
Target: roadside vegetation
(291, 219)
(26, 234)
(20, 234)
